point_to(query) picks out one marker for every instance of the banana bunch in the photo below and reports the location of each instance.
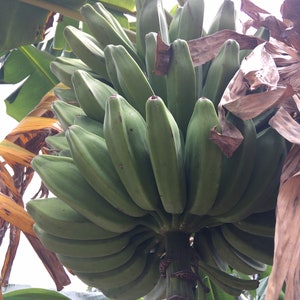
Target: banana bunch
(135, 163)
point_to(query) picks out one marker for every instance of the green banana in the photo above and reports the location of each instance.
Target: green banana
(131, 79)
(237, 169)
(158, 83)
(66, 113)
(57, 142)
(257, 247)
(232, 257)
(65, 94)
(225, 18)
(190, 25)
(125, 136)
(150, 17)
(262, 224)
(139, 287)
(107, 262)
(91, 94)
(59, 219)
(181, 84)
(85, 248)
(166, 150)
(120, 276)
(206, 251)
(64, 67)
(223, 279)
(221, 70)
(203, 159)
(65, 181)
(268, 141)
(34, 293)
(92, 158)
(106, 29)
(89, 124)
(174, 24)
(88, 49)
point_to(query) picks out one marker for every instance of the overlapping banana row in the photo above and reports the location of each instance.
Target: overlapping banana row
(135, 160)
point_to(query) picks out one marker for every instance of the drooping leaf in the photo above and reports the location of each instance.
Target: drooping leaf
(38, 78)
(13, 213)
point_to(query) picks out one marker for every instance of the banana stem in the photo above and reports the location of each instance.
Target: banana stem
(179, 276)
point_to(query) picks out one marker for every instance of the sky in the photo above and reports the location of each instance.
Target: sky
(27, 267)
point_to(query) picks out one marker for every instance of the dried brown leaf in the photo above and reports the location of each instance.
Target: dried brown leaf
(285, 125)
(51, 263)
(286, 265)
(251, 106)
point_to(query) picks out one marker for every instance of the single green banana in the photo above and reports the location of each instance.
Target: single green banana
(158, 83)
(57, 142)
(221, 70)
(119, 276)
(139, 287)
(107, 262)
(231, 256)
(59, 219)
(218, 276)
(268, 141)
(85, 248)
(257, 247)
(237, 169)
(65, 181)
(190, 25)
(89, 124)
(225, 18)
(64, 67)
(174, 24)
(262, 224)
(66, 94)
(206, 251)
(106, 29)
(125, 136)
(131, 78)
(66, 113)
(34, 293)
(92, 94)
(166, 150)
(203, 159)
(93, 160)
(181, 84)
(87, 48)
(150, 17)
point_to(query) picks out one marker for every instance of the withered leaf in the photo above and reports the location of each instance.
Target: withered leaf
(285, 125)
(287, 242)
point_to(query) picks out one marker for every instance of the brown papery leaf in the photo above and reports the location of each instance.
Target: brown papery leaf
(290, 11)
(286, 264)
(263, 18)
(251, 106)
(291, 164)
(285, 125)
(259, 68)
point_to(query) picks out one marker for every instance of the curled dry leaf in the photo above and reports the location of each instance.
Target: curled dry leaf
(285, 125)
(286, 265)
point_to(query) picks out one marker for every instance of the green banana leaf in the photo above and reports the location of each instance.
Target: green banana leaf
(31, 65)
(34, 293)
